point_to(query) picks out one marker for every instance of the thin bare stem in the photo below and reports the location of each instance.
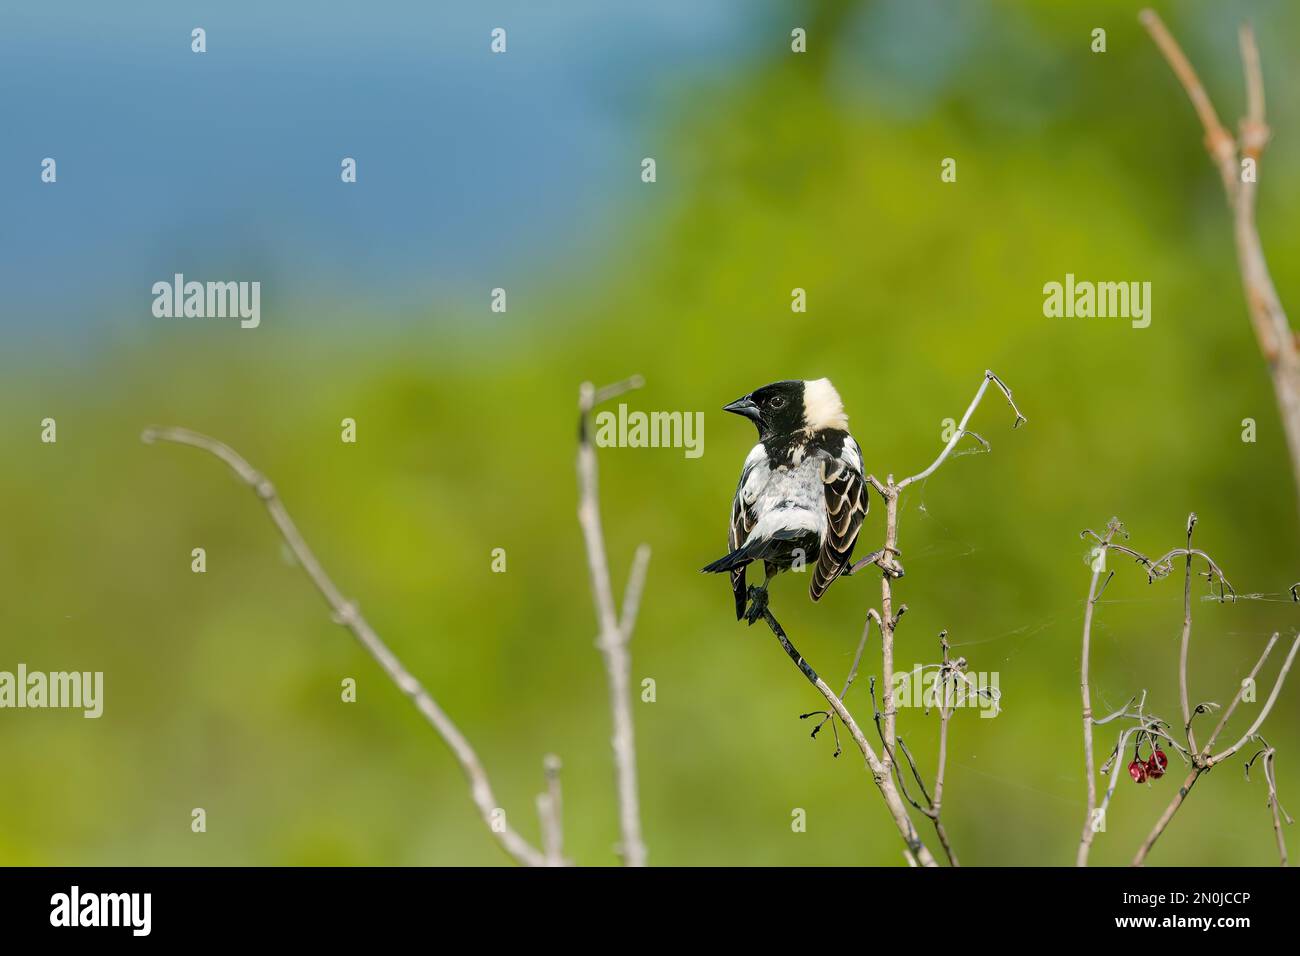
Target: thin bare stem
(1115, 765)
(347, 614)
(614, 633)
(887, 619)
(857, 657)
(916, 774)
(633, 589)
(961, 427)
(888, 622)
(945, 715)
(1240, 175)
(891, 492)
(1241, 690)
(879, 772)
(1085, 689)
(1274, 804)
(1190, 781)
(950, 675)
(1202, 762)
(1263, 711)
(550, 810)
(1149, 727)
(1218, 141)
(1254, 127)
(1186, 639)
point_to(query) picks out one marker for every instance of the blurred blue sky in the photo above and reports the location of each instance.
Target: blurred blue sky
(475, 170)
(226, 164)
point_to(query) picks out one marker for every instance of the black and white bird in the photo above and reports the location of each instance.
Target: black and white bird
(801, 497)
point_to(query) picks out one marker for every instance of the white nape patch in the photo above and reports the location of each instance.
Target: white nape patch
(822, 407)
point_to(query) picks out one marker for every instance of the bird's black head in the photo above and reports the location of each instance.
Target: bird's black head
(784, 408)
(775, 409)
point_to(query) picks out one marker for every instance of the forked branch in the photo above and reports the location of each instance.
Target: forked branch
(615, 630)
(1237, 162)
(879, 772)
(1200, 758)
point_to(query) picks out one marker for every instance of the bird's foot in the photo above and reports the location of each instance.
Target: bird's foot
(757, 604)
(883, 559)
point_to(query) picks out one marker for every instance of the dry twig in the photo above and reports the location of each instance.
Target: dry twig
(949, 677)
(1238, 164)
(1274, 805)
(1090, 820)
(1204, 760)
(550, 811)
(1199, 758)
(879, 771)
(346, 613)
(615, 632)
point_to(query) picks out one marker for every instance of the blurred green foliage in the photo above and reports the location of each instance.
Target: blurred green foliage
(819, 172)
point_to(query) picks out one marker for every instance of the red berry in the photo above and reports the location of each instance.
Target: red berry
(1153, 768)
(1138, 771)
(1160, 759)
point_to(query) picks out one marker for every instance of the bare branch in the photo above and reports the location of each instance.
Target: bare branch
(550, 810)
(1115, 715)
(1186, 638)
(632, 592)
(961, 428)
(1218, 141)
(1113, 527)
(1268, 319)
(1114, 764)
(614, 633)
(1263, 711)
(1274, 804)
(603, 394)
(1186, 787)
(1149, 727)
(346, 613)
(916, 774)
(857, 657)
(1241, 690)
(1254, 127)
(887, 618)
(950, 674)
(1201, 761)
(945, 715)
(879, 772)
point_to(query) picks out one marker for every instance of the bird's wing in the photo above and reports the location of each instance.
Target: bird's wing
(846, 505)
(753, 476)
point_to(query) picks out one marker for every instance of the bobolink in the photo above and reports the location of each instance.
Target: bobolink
(801, 496)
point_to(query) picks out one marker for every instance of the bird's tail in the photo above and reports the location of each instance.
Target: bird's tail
(752, 551)
(734, 561)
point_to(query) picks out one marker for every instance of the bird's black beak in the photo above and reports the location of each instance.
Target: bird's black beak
(744, 407)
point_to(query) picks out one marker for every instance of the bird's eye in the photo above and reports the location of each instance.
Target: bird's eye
(778, 401)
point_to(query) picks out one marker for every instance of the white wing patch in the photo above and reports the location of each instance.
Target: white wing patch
(753, 475)
(753, 479)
